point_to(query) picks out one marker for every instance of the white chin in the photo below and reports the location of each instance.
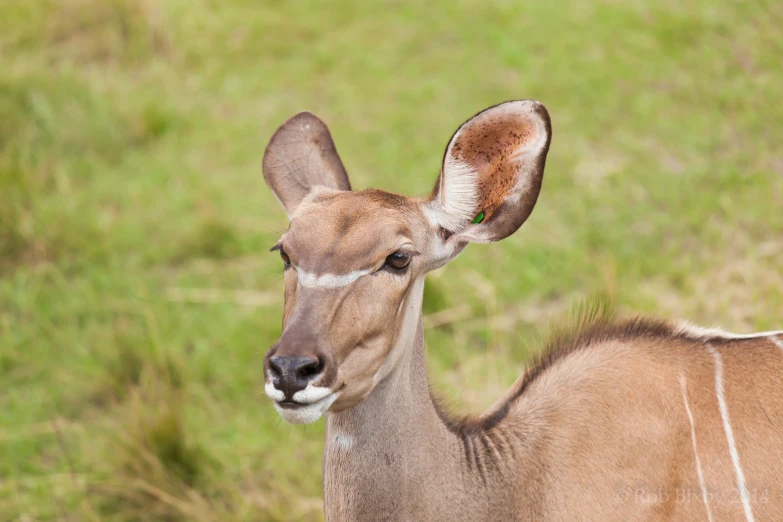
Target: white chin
(308, 413)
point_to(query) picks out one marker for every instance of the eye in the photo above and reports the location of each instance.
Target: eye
(285, 258)
(399, 260)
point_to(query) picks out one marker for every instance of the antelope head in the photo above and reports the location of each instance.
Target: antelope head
(355, 261)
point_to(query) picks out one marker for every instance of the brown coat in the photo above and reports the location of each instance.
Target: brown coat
(620, 419)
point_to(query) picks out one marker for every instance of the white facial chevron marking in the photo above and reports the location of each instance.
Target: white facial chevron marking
(724, 413)
(702, 483)
(328, 280)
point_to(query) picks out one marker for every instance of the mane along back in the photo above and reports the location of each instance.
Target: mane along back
(593, 326)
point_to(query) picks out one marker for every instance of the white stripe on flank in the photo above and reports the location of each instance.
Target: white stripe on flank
(328, 280)
(777, 342)
(724, 413)
(695, 450)
(684, 327)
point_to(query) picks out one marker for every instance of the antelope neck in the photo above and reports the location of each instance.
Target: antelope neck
(383, 449)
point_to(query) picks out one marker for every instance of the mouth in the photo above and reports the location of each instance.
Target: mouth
(294, 405)
(299, 412)
(290, 405)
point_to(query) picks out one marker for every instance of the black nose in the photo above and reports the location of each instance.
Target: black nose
(291, 374)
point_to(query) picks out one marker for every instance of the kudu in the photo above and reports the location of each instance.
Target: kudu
(630, 419)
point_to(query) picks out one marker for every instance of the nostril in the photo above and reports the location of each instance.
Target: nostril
(275, 369)
(310, 369)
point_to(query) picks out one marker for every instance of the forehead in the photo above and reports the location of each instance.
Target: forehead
(354, 228)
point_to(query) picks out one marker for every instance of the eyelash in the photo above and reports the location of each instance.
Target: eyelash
(285, 258)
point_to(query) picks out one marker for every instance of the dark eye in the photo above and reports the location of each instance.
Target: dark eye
(398, 260)
(286, 259)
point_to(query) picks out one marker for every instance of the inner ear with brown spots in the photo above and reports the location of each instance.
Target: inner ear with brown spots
(492, 172)
(301, 155)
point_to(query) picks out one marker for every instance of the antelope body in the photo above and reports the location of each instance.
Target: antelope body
(621, 420)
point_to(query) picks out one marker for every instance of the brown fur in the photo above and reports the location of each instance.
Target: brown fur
(595, 431)
(302, 154)
(619, 419)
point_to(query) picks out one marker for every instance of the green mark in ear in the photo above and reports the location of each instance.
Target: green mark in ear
(478, 219)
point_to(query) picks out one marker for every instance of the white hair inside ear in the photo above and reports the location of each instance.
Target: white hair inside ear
(457, 195)
(491, 174)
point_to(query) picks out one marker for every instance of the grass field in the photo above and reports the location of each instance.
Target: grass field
(137, 296)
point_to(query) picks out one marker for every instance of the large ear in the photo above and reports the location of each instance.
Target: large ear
(492, 171)
(300, 156)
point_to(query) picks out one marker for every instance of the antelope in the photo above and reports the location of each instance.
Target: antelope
(620, 419)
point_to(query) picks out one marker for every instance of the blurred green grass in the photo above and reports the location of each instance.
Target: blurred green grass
(137, 297)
